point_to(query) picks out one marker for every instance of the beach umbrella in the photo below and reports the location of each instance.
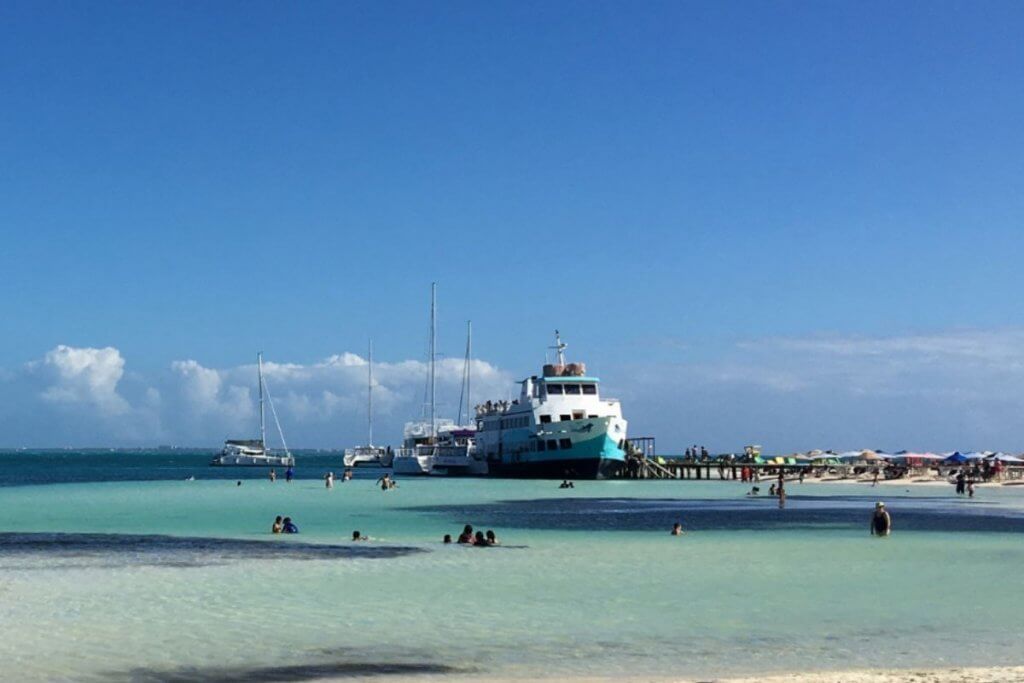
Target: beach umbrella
(1003, 457)
(872, 456)
(957, 457)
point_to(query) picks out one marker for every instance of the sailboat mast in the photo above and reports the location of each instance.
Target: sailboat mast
(263, 417)
(369, 395)
(433, 355)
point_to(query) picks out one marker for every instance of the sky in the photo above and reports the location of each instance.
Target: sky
(793, 224)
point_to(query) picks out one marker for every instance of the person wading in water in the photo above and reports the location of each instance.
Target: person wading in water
(881, 521)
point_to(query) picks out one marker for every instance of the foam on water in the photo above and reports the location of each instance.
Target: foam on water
(178, 580)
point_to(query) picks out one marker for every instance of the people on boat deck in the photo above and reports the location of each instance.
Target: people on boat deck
(491, 538)
(278, 525)
(289, 526)
(467, 534)
(677, 529)
(356, 536)
(881, 521)
(273, 475)
(447, 538)
(289, 474)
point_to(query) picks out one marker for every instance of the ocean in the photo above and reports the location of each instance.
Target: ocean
(114, 566)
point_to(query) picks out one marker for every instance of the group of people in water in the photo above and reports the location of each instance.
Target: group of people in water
(284, 525)
(479, 539)
(289, 474)
(329, 478)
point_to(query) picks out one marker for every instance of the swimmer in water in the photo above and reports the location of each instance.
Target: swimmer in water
(479, 540)
(289, 526)
(677, 529)
(466, 536)
(881, 521)
(278, 525)
(491, 538)
(356, 536)
(273, 475)
(447, 539)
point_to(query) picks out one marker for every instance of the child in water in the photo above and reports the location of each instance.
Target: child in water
(278, 526)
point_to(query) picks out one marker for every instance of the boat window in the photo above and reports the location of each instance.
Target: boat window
(572, 389)
(577, 414)
(590, 389)
(552, 445)
(565, 418)
(554, 389)
(540, 445)
(565, 443)
(592, 417)
(545, 419)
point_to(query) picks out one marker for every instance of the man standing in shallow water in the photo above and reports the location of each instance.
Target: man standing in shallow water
(881, 521)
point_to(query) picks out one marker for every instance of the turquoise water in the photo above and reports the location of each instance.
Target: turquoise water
(588, 581)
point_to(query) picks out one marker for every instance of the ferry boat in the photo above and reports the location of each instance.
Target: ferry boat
(560, 427)
(253, 452)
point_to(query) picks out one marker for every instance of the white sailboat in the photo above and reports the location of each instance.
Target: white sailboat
(419, 438)
(368, 455)
(253, 452)
(440, 446)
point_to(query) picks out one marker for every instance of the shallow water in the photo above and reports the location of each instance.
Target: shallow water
(166, 580)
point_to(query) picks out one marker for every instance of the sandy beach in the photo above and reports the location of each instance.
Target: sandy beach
(952, 675)
(1011, 674)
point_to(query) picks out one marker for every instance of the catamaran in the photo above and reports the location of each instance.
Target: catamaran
(368, 455)
(559, 427)
(253, 452)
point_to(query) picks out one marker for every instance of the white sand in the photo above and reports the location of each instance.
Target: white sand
(1011, 674)
(1014, 674)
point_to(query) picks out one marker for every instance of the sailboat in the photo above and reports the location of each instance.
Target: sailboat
(419, 438)
(253, 452)
(456, 454)
(368, 455)
(440, 446)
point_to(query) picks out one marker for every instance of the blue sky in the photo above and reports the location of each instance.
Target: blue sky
(697, 188)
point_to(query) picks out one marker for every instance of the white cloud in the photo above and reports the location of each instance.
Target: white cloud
(85, 376)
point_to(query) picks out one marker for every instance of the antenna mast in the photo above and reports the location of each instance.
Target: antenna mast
(559, 347)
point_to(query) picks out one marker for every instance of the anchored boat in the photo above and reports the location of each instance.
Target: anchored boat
(368, 455)
(559, 427)
(253, 452)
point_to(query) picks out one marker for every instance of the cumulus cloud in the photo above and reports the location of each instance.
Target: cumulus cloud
(85, 375)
